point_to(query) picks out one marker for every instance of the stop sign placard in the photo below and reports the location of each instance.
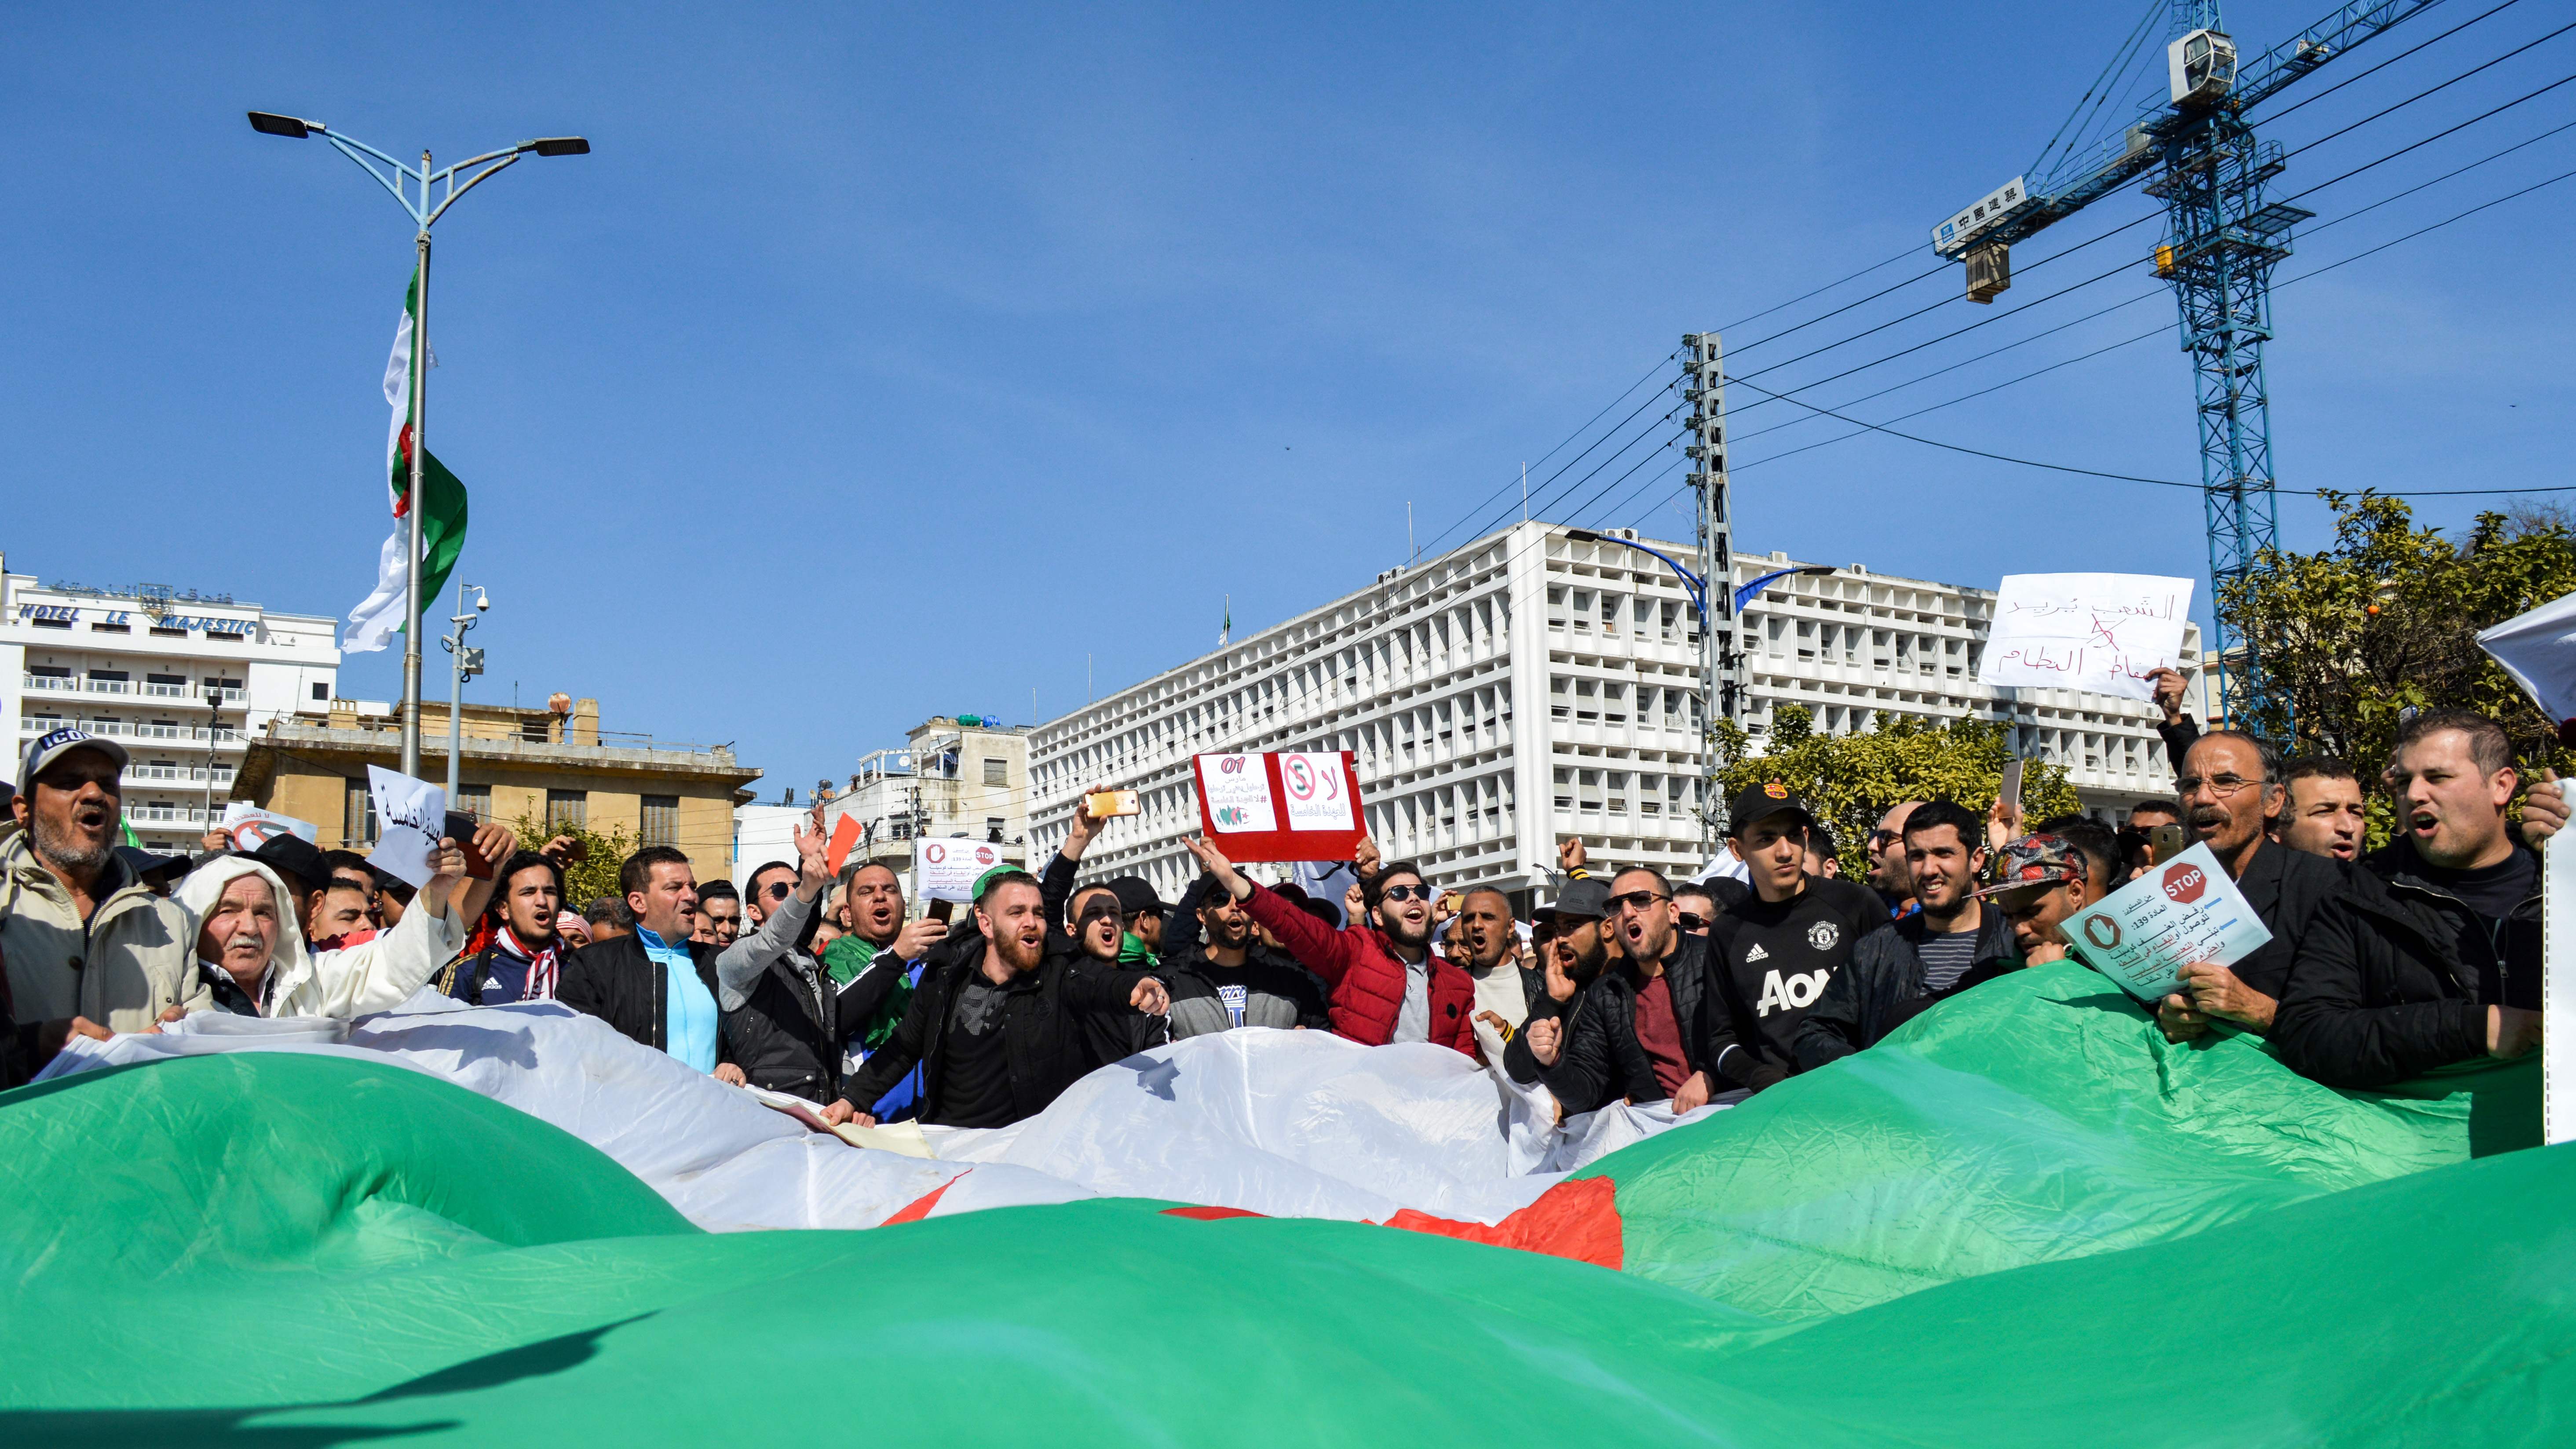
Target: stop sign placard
(2184, 882)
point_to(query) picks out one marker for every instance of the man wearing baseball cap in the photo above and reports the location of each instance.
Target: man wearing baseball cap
(2040, 881)
(1576, 953)
(1772, 954)
(84, 937)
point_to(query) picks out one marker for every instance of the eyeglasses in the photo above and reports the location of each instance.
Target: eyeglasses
(1405, 893)
(1636, 901)
(2220, 786)
(777, 890)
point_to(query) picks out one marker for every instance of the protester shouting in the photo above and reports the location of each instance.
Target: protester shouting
(1641, 1034)
(1572, 934)
(2321, 810)
(2470, 985)
(996, 1031)
(1222, 977)
(1386, 984)
(875, 969)
(523, 961)
(84, 937)
(2229, 783)
(1484, 942)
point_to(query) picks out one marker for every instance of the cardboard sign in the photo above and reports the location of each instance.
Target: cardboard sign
(946, 870)
(251, 827)
(2182, 911)
(1301, 805)
(2102, 632)
(411, 818)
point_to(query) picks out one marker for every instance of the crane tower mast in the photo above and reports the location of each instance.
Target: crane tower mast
(2222, 240)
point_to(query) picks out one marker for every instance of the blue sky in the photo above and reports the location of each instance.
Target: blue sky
(895, 360)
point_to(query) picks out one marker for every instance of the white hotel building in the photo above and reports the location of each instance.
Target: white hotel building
(1534, 685)
(137, 665)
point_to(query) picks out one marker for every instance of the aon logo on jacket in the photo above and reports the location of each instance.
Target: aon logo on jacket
(1793, 992)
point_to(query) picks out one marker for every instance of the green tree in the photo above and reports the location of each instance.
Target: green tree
(595, 874)
(2386, 618)
(1851, 780)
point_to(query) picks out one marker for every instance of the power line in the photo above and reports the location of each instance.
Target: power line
(2437, 89)
(2144, 296)
(1570, 437)
(2319, 95)
(1867, 426)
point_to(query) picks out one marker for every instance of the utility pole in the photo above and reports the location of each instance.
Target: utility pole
(1721, 662)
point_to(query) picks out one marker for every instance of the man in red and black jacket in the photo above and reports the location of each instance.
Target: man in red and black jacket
(1386, 984)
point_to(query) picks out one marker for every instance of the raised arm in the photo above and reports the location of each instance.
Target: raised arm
(739, 966)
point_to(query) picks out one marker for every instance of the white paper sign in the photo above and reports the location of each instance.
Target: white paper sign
(1318, 797)
(2182, 911)
(1238, 793)
(2102, 632)
(251, 827)
(2539, 650)
(411, 817)
(948, 869)
(2558, 989)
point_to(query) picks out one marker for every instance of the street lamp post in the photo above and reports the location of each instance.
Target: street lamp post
(1717, 701)
(469, 662)
(214, 733)
(424, 208)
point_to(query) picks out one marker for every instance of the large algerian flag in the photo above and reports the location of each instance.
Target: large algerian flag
(375, 622)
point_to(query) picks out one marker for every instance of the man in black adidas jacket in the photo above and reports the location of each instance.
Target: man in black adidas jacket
(997, 1031)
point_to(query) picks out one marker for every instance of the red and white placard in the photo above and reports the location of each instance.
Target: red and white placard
(1300, 805)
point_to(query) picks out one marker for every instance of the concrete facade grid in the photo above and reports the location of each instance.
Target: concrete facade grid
(1541, 669)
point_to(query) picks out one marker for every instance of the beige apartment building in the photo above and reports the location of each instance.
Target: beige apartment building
(553, 765)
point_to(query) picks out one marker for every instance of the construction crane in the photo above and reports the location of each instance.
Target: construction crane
(2222, 239)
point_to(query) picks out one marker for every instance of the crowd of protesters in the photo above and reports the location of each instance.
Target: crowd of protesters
(824, 986)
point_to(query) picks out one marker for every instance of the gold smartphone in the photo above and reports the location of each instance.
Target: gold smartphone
(1101, 804)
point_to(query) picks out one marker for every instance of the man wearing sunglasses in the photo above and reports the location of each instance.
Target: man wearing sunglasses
(1387, 985)
(1772, 957)
(782, 1019)
(1639, 1032)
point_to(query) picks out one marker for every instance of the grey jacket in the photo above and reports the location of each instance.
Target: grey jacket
(134, 958)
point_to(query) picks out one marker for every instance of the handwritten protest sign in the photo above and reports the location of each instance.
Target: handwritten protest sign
(1299, 805)
(2182, 911)
(251, 827)
(946, 870)
(2102, 632)
(411, 816)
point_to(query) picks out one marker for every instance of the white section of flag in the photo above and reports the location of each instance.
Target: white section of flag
(379, 617)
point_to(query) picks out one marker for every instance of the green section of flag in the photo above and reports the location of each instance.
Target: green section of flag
(2025, 1209)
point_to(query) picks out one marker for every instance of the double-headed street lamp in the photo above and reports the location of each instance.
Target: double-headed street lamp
(418, 192)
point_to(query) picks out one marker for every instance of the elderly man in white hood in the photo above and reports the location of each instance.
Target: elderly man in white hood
(252, 955)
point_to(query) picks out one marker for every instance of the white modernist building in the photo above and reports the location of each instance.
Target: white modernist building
(178, 679)
(1545, 682)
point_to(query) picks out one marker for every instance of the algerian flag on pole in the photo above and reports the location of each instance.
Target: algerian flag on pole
(374, 623)
(1226, 630)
